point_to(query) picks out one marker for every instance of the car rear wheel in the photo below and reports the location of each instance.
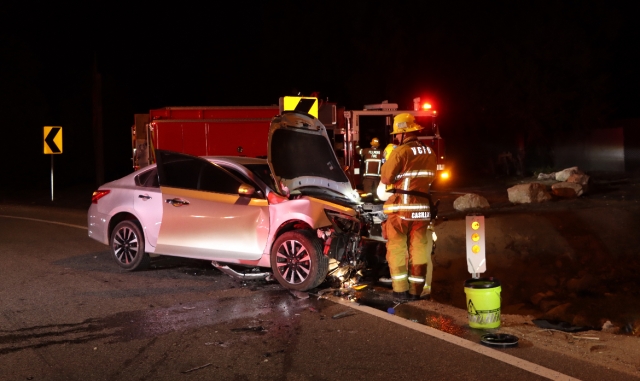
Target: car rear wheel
(127, 246)
(297, 260)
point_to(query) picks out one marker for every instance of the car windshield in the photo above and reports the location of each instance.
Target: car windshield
(263, 172)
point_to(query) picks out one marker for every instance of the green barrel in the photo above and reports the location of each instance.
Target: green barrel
(483, 302)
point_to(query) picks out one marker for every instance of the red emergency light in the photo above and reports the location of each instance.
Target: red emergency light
(426, 106)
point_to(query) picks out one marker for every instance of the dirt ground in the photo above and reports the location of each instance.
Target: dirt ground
(571, 262)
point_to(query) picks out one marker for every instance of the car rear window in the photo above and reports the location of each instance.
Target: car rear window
(148, 179)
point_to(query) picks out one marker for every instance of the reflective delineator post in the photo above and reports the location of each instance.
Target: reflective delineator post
(476, 257)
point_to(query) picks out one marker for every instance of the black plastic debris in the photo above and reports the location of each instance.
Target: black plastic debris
(499, 340)
(249, 329)
(560, 326)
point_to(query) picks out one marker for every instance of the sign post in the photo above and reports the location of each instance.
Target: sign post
(52, 146)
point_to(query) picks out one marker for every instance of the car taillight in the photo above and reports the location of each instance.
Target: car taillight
(97, 195)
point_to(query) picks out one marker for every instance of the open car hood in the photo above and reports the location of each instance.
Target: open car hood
(302, 159)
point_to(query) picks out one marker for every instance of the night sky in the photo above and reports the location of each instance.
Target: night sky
(496, 71)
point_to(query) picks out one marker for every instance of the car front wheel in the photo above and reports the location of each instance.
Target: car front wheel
(127, 246)
(297, 260)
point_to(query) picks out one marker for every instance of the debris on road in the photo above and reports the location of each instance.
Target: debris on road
(197, 368)
(299, 294)
(321, 293)
(343, 314)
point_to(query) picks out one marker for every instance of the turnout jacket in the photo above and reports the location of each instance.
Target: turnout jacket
(372, 159)
(410, 169)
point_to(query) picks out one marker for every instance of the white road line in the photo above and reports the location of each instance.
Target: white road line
(46, 221)
(497, 355)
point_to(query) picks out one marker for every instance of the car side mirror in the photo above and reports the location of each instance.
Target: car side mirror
(246, 190)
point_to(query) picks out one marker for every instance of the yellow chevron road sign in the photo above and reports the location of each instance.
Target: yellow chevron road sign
(52, 140)
(308, 105)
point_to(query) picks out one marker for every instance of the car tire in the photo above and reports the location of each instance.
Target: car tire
(297, 260)
(127, 246)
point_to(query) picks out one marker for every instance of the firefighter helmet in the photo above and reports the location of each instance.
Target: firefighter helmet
(375, 143)
(405, 122)
(387, 151)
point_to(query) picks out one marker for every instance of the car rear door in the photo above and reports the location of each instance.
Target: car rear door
(147, 203)
(203, 215)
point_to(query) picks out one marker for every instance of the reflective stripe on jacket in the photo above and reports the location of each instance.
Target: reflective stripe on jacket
(410, 167)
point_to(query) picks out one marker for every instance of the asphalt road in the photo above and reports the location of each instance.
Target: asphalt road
(67, 312)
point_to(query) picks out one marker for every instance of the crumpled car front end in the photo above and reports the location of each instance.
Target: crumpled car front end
(306, 170)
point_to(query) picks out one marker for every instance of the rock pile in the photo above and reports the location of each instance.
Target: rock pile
(571, 183)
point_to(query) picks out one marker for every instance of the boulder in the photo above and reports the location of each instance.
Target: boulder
(551, 281)
(537, 298)
(548, 305)
(470, 201)
(565, 173)
(528, 193)
(585, 283)
(547, 176)
(558, 311)
(578, 178)
(567, 190)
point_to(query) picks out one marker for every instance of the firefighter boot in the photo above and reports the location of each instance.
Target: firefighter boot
(417, 280)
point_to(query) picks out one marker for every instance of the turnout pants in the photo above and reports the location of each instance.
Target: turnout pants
(370, 185)
(409, 246)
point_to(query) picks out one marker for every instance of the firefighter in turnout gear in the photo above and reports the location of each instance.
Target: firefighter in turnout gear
(371, 163)
(408, 174)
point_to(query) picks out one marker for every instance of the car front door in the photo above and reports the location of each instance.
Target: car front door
(203, 215)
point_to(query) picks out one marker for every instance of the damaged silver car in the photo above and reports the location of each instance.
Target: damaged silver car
(293, 216)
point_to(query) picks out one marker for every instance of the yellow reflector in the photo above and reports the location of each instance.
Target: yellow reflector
(475, 249)
(475, 237)
(475, 225)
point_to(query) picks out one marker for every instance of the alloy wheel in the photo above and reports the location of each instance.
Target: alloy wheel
(293, 261)
(125, 245)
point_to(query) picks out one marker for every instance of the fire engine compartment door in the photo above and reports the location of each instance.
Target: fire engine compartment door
(203, 216)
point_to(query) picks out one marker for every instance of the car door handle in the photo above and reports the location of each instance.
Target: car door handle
(144, 196)
(176, 201)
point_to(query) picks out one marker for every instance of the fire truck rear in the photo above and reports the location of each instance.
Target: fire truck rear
(243, 130)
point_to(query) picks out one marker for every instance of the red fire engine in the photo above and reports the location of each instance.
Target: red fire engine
(243, 131)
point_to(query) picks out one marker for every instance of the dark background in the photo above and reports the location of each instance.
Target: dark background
(498, 72)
